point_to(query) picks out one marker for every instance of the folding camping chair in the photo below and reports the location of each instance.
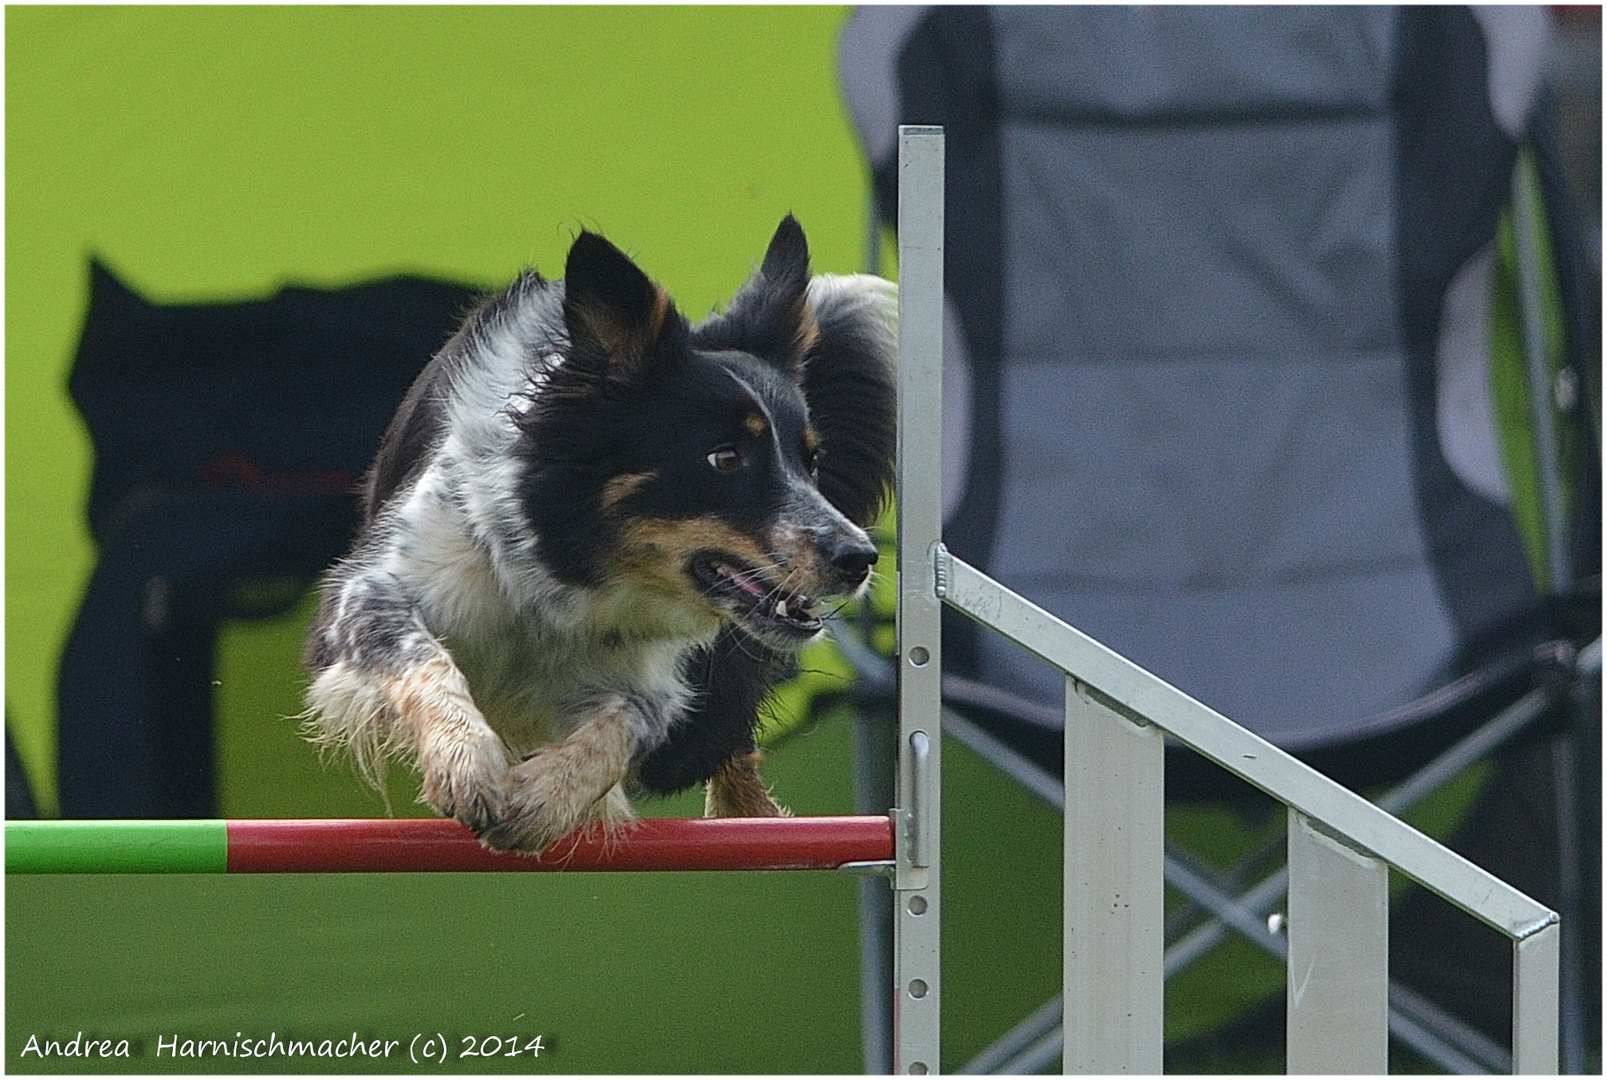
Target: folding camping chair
(229, 441)
(1249, 308)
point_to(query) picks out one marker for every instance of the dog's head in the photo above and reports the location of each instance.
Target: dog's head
(688, 462)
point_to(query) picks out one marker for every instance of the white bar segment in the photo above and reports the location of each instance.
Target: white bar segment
(916, 905)
(1114, 890)
(1536, 967)
(1338, 989)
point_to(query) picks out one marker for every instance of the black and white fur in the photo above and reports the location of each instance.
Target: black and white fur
(592, 532)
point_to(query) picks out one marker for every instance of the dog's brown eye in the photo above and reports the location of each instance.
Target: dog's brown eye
(726, 458)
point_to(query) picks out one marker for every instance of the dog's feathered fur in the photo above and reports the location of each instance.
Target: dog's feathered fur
(594, 529)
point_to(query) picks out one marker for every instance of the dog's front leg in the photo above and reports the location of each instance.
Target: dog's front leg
(738, 790)
(462, 762)
(383, 684)
(577, 780)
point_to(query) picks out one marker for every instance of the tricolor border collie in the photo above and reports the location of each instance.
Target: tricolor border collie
(593, 532)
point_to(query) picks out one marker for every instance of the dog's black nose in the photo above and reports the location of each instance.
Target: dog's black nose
(853, 560)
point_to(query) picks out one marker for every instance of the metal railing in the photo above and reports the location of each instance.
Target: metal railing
(1116, 717)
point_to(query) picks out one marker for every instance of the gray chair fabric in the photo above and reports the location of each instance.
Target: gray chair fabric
(1216, 386)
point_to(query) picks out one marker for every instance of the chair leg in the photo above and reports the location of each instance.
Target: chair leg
(874, 738)
(1570, 902)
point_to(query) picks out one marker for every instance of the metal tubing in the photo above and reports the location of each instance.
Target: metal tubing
(1474, 747)
(874, 754)
(1230, 911)
(1036, 1058)
(1338, 981)
(434, 845)
(1570, 901)
(1044, 1022)
(1443, 1038)
(916, 904)
(922, 783)
(1114, 889)
(1415, 1021)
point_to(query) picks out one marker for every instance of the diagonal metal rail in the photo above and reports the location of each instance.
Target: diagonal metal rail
(1339, 1009)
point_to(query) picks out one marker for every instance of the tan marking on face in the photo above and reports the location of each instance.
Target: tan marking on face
(655, 551)
(811, 440)
(623, 487)
(755, 424)
(809, 571)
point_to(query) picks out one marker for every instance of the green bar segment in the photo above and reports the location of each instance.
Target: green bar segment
(117, 847)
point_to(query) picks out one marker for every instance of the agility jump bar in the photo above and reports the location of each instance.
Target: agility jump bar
(435, 845)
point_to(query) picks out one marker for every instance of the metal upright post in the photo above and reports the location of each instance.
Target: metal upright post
(1113, 958)
(1338, 960)
(1535, 975)
(916, 913)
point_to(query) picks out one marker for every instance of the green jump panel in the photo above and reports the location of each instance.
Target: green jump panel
(117, 847)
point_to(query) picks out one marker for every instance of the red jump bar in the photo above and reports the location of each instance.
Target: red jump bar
(336, 846)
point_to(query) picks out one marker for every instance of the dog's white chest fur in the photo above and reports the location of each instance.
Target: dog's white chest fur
(534, 650)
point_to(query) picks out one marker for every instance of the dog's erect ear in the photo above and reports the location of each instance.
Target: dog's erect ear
(615, 315)
(785, 269)
(770, 316)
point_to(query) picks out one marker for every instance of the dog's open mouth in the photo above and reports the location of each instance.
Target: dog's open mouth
(754, 601)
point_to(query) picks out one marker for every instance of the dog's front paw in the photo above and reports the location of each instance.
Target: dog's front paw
(545, 800)
(468, 785)
(475, 800)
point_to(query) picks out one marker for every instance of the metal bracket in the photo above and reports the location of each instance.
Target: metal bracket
(920, 749)
(882, 868)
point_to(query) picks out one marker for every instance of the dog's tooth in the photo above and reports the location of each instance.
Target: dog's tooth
(781, 609)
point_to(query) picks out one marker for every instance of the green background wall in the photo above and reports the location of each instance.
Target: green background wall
(220, 152)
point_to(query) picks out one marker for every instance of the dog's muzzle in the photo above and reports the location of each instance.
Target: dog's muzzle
(827, 558)
(850, 560)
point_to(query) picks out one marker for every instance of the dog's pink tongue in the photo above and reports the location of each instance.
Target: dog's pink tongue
(744, 582)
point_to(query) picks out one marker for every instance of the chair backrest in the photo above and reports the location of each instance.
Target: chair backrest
(286, 395)
(1220, 353)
